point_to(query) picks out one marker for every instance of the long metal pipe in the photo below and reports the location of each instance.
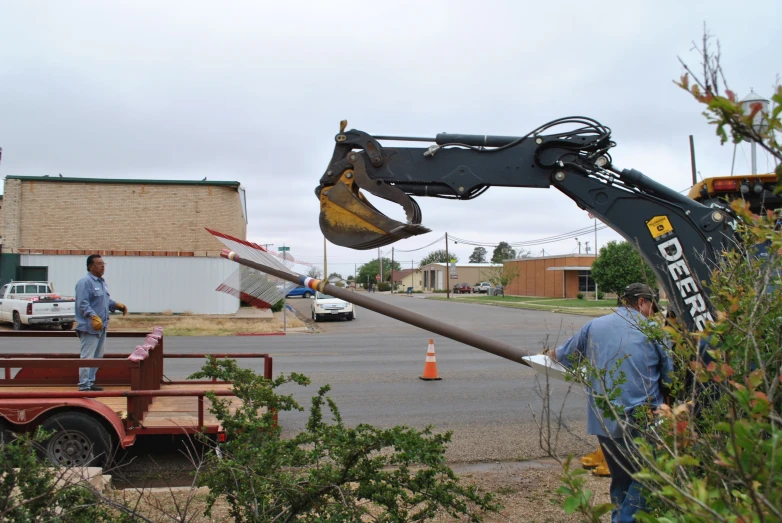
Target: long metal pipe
(484, 343)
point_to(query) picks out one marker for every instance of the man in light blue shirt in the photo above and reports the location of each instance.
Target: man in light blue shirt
(647, 367)
(93, 304)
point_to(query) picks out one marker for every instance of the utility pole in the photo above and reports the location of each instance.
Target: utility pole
(579, 245)
(447, 270)
(266, 246)
(586, 247)
(325, 263)
(392, 270)
(380, 263)
(692, 160)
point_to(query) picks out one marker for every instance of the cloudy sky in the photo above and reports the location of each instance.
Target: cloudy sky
(254, 92)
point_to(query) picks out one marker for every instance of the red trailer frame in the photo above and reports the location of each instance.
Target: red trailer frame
(40, 389)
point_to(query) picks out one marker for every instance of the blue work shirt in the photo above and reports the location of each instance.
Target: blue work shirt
(92, 297)
(604, 341)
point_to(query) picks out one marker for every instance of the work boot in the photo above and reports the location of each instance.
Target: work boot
(593, 459)
(602, 470)
(95, 388)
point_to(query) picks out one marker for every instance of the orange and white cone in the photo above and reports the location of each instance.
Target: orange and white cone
(430, 367)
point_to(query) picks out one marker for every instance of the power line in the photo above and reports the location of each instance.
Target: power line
(441, 238)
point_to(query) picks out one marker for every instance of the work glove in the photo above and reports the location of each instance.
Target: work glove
(121, 307)
(97, 323)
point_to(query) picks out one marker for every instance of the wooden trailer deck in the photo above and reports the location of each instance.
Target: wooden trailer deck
(165, 411)
(137, 398)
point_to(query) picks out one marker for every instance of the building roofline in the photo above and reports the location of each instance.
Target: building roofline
(127, 181)
(554, 257)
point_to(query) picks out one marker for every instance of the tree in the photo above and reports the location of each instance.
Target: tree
(328, 471)
(335, 275)
(503, 275)
(478, 255)
(619, 265)
(503, 251)
(368, 271)
(523, 253)
(350, 277)
(437, 256)
(315, 272)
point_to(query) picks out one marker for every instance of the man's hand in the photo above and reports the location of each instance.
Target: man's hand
(121, 307)
(97, 323)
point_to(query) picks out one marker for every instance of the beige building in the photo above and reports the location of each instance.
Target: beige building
(91, 214)
(433, 276)
(152, 233)
(552, 276)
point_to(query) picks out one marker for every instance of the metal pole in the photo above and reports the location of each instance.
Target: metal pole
(447, 270)
(692, 161)
(754, 149)
(595, 255)
(484, 343)
(325, 262)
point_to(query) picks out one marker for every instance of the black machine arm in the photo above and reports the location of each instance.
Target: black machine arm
(679, 238)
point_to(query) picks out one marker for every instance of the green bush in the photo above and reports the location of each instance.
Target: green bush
(328, 471)
(580, 295)
(383, 286)
(277, 307)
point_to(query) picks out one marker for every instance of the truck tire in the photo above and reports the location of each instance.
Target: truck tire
(18, 325)
(351, 316)
(78, 440)
(66, 326)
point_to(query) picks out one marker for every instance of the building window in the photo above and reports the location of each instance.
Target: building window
(585, 282)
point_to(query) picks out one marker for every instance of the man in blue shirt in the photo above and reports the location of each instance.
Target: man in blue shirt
(647, 367)
(93, 304)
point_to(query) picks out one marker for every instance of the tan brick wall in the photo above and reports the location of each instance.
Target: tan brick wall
(536, 280)
(124, 217)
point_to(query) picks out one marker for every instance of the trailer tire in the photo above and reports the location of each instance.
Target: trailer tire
(79, 440)
(66, 326)
(18, 325)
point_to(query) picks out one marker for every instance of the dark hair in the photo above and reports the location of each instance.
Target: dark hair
(91, 260)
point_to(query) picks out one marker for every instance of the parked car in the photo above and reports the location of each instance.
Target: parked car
(462, 288)
(328, 306)
(301, 292)
(482, 287)
(25, 303)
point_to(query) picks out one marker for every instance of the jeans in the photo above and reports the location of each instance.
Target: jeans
(91, 347)
(625, 491)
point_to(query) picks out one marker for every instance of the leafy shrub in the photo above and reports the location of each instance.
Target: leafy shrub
(383, 286)
(327, 472)
(277, 307)
(580, 295)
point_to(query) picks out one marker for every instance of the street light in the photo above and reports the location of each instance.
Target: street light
(759, 124)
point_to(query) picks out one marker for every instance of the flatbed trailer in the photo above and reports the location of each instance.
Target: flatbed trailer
(40, 390)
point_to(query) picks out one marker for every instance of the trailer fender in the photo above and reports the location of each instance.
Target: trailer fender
(29, 411)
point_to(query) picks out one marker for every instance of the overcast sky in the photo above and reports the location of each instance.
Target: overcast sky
(254, 92)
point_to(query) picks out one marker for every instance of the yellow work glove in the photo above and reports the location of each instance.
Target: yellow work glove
(121, 307)
(97, 323)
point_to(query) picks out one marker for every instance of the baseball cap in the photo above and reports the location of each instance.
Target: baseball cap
(641, 290)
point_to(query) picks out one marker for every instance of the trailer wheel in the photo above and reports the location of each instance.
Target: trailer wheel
(66, 326)
(79, 440)
(18, 325)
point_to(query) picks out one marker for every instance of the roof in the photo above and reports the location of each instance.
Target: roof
(571, 268)
(130, 181)
(402, 273)
(457, 264)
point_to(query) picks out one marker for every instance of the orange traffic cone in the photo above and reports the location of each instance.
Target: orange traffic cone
(430, 367)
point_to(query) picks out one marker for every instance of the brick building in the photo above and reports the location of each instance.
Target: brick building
(552, 276)
(48, 225)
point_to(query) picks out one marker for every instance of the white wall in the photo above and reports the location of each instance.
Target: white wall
(149, 283)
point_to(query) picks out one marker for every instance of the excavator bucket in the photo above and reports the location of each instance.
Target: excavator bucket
(349, 220)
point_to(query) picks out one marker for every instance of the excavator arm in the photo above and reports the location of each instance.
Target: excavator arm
(680, 238)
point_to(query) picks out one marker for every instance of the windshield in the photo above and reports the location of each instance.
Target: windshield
(321, 296)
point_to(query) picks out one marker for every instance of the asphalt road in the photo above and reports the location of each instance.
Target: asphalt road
(373, 364)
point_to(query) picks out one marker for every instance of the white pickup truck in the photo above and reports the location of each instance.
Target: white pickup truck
(26, 303)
